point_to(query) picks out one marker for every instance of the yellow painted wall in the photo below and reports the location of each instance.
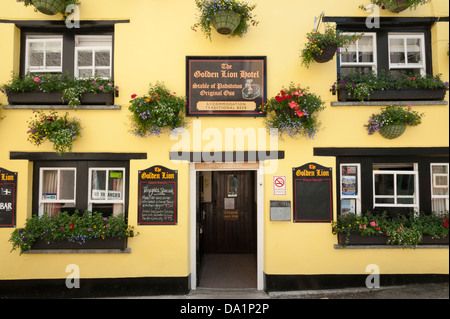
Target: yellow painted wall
(153, 47)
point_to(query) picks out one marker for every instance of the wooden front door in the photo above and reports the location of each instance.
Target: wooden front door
(231, 226)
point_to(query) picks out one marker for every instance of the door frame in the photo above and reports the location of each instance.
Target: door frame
(258, 167)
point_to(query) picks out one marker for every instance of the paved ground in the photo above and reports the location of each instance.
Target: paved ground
(425, 291)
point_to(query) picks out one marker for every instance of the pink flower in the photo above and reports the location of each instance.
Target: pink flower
(133, 96)
(293, 105)
(363, 226)
(36, 79)
(299, 113)
(373, 224)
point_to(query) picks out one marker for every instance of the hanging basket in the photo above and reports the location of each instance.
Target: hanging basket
(327, 55)
(226, 22)
(49, 7)
(392, 131)
(396, 7)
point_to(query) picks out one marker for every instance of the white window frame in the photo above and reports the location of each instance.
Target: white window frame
(57, 200)
(106, 200)
(356, 197)
(42, 39)
(433, 185)
(415, 205)
(94, 49)
(373, 64)
(406, 65)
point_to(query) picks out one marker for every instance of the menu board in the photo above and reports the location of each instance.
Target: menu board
(157, 196)
(226, 86)
(313, 200)
(8, 198)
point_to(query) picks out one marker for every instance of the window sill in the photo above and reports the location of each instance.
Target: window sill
(384, 103)
(61, 107)
(337, 246)
(78, 251)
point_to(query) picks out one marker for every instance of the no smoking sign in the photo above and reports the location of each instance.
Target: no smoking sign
(279, 185)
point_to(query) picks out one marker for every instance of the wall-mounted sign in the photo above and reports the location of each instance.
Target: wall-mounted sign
(157, 196)
(279, 185)
(8, 198)
(313, 187)
(225, 86)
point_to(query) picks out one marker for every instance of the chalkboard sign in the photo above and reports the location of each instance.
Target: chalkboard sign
(226, 86)
(313, 200)
(157, 202)
(8, 198)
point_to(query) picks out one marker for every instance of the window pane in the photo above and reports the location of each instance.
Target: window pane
(115, 185)
(349, 180)
(102, 58)
(36, 54)
(84, 58)
(414, 50)
(349, 55)
(384, 184)
(405, 184)
(103, 73)
(53, 54)
(365, 45)
(49, 185)
(98, 184)
(349, 70)
(397, 51)
(440, 179)
(67, 185)
(405, 201)
(348, 206)
(85, 73)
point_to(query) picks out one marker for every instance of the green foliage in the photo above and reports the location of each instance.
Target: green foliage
(317, 42)
(294, 112)
(158, 112)
(209, 8)
(393, 115)
(360, 85)
(407, 231)
(413, 4)
(66, 3)
(70, 87)
(60, 130)
(77, 228)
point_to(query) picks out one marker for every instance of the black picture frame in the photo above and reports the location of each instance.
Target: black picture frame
(233, 95)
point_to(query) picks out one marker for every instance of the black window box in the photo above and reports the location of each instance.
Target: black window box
(95, 243)
(357, 239)
(55, 98)
(406, 94)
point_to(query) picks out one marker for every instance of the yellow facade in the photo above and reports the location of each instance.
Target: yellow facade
(153, 47)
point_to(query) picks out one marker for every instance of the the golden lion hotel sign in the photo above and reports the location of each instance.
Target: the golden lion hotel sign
(225, 86)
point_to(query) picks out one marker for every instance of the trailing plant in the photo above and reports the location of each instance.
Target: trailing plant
(407, 231)
(209, 8)
(393, 115)
(77, 228)
(158, 112)
(60, 130)
(70, 87)
(361, 85)
(294, 111)
(317, 42)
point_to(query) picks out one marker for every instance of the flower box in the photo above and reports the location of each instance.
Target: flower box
(95, 243)
(406, 94)
(357, 240)
(55, 98)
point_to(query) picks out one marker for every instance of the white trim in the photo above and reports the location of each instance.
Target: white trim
(108, 201)
(407, 65)
(44, 40)
(94, 48)
(357, 197)
(415, 196)
(57, 200)
(259, 221)
(373, 64)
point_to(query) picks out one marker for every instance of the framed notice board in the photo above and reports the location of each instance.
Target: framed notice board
(8, 198)
(157, 196)
(225, 86)
(313, 187)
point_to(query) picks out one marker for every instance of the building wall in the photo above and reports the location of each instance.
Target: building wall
(153, 47)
